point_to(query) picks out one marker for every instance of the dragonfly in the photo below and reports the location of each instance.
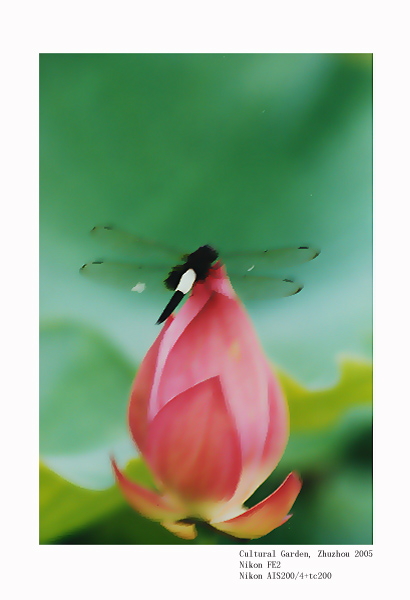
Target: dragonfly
(144, 263)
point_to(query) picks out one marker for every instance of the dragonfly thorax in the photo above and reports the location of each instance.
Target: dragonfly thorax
(200, 261)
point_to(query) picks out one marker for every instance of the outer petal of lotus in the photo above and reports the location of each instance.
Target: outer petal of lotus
(275, 442)
(253, 475)
(265, 516)
(141, 391)
(182, 530)
(147, 502)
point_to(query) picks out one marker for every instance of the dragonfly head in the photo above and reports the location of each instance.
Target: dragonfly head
(204, 254)
(201, 260)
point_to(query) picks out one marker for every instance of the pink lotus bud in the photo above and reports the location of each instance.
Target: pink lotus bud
(210, 420)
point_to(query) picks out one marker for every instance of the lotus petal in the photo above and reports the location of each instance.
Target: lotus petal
(265, 516)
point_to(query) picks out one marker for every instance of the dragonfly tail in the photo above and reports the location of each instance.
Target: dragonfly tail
(170, 307)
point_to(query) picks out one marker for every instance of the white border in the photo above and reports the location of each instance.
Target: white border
(185, 27)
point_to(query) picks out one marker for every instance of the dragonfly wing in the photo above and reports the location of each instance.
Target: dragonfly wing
(132, 246)
(128, 276)
(263, 261)
(258, 287)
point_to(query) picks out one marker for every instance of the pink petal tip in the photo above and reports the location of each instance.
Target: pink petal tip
(265, 516)
(147, 502)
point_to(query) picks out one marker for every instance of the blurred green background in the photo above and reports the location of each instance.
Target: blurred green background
(242, 151)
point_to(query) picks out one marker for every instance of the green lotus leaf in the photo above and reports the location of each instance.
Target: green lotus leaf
(84, 388)
(317, 409)
(66, 508)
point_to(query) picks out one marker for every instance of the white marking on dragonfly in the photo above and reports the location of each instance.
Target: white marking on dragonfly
(186, 282)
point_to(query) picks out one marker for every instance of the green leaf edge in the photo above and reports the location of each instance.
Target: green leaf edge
(66, 507)
(314, 410)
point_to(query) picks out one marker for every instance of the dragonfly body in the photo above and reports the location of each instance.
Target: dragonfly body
(250, 271)
(200, 261)
(183, 277)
